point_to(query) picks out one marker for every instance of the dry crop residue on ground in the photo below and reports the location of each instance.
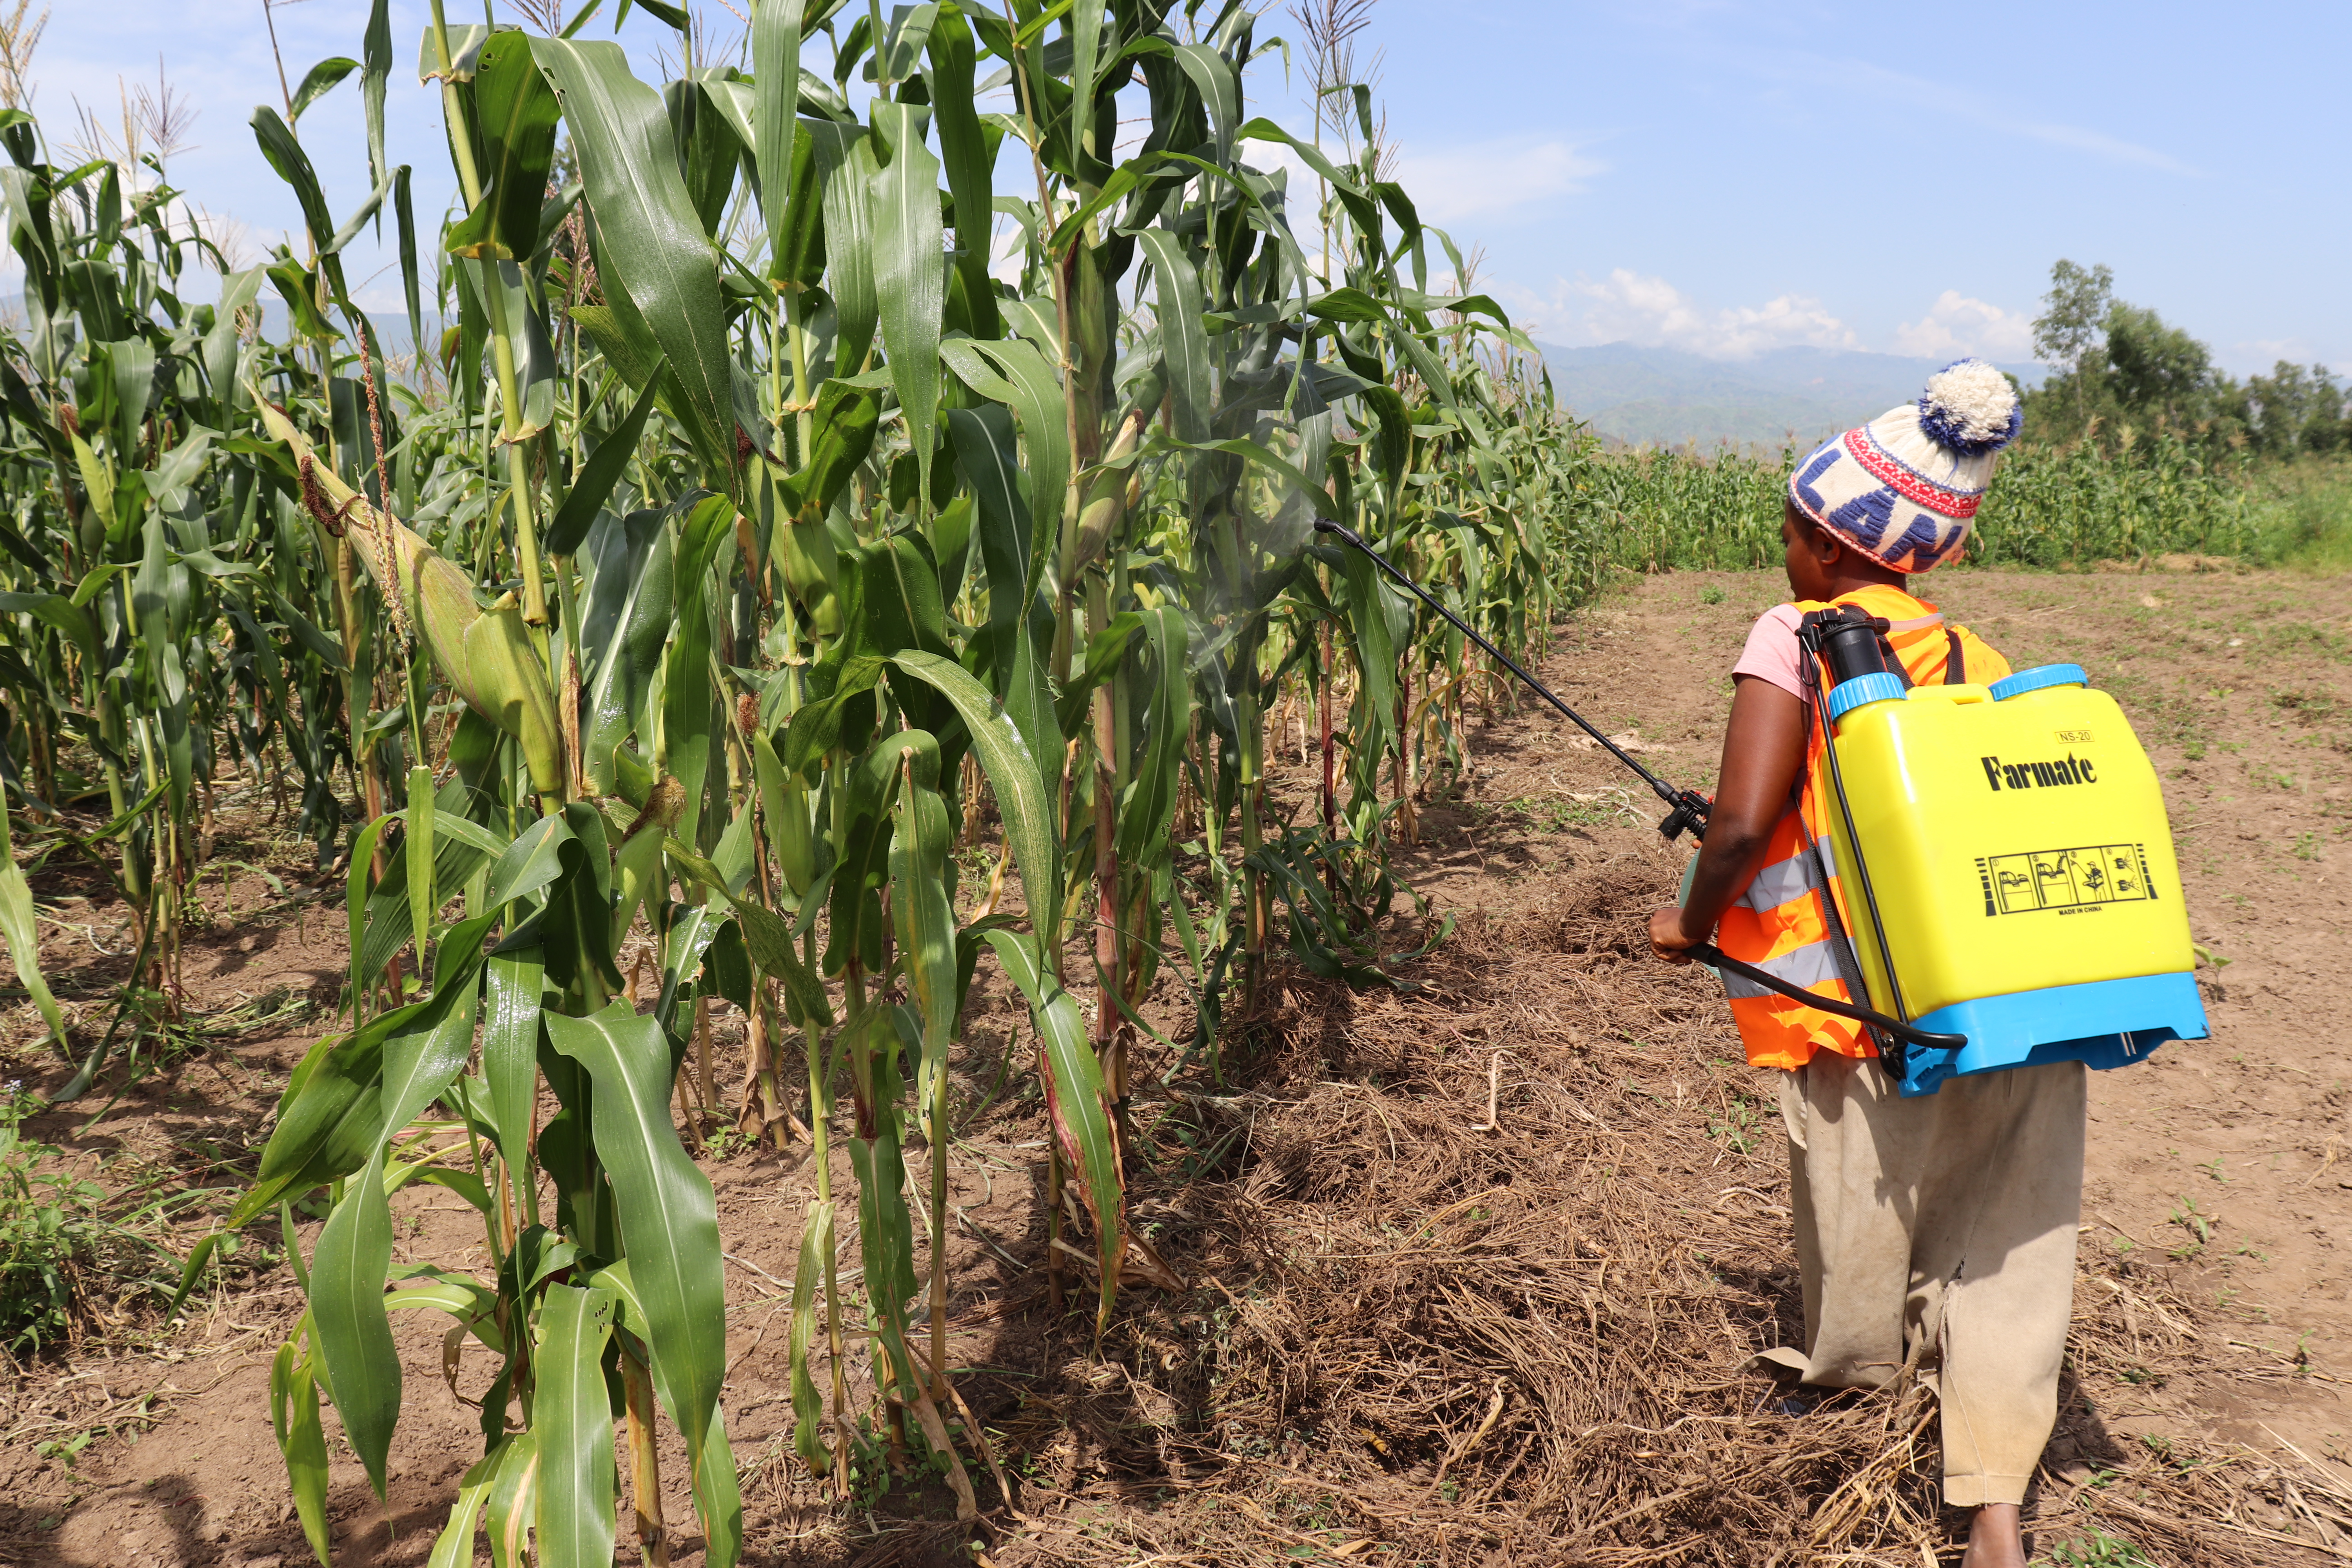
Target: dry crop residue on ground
(1469, 1273)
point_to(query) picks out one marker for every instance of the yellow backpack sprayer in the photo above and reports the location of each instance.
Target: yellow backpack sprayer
(2009, 887)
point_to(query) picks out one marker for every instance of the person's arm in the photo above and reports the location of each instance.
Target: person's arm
(1763, 749)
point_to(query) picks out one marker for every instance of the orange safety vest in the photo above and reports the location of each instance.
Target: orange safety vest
(1780, 922)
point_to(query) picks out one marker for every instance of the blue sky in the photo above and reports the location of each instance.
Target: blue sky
(1715, 176)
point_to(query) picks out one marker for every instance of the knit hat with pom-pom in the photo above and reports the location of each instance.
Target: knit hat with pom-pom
(1903, 489)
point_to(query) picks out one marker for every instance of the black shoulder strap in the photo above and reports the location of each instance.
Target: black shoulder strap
(1956, 663)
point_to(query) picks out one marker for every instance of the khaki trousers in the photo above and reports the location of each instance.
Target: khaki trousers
(1944, 1227)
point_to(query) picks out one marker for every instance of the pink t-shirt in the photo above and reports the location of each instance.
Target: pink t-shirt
(1772, 653)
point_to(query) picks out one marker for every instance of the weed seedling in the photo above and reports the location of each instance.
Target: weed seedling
(2191, 1218)
(2099, 1549)
(48, 1225)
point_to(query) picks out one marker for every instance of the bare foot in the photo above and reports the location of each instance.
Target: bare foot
(1994, 1539)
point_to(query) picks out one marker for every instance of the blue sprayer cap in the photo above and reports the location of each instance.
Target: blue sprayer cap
(2039, 677)
(1878, 686)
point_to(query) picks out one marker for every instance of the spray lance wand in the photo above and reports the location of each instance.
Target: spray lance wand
(1687, 811)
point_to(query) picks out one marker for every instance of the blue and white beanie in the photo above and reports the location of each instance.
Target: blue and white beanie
(1903, 489)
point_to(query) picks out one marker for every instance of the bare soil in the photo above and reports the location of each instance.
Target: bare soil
(1471, 1271)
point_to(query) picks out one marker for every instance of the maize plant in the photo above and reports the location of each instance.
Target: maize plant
(763, 510)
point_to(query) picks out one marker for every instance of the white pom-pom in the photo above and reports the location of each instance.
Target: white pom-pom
(1970, 408)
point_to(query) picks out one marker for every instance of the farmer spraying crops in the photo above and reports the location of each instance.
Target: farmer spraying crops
(1934, 1233)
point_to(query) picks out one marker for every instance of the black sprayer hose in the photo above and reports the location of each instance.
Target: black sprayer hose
(1714, 957)
(1688, 808)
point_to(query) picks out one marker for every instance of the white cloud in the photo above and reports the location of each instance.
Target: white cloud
(1630, 307)
(1956, 325)
(1488, 177)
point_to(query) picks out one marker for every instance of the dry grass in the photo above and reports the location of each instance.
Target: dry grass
(1433, 1343)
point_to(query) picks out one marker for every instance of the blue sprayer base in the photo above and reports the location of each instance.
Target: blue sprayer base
(2103, 1024)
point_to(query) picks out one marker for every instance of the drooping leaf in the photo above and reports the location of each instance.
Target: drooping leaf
(319, 79)
(515, 113)
(808, 1283)
(1083, 1130)
(669, 1219)
(301, 1437)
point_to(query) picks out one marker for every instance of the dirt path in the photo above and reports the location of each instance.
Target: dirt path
(2241, 690)
(1408, 1336)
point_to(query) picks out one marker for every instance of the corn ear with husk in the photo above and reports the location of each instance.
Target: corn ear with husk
(487, 654)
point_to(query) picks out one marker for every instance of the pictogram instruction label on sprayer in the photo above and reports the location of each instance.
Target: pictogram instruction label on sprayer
(2086, 877)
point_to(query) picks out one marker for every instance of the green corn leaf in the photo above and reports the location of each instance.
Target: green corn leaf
(922, 871)
(354, 1246)
(808, 1287)
(775, 66)
(1183, 335)
(988, 457)
(293, 166)
(514, 1500)
(1149, 806)
(573, 1422)
(61, 615)
(910, 284)
(718, 1495)
(708, 529)
(465, 41)
(355, 907)
(669, 1219)
(623, 633)
(375, 47)
(474, 1304)
(424, 893)
(968, 151)
(301, 1437)
(453, 1547)
(529, 863)
(846, 165)
(319, 81)
(770, 942)
(515, 111)
(1083, 1130)
(1014, 374)
(347, 1310)
(655, 248)
(601, 472)
(331, 1114)
(1023, 798)
(510, 1061)
(19, 925)
(841, 434)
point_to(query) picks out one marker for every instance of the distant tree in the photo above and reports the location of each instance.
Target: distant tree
(2073, 314)
(2118, 366)
(2293, 410)
(2155, 370)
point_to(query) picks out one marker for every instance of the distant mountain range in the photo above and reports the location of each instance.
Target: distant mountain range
(1664, 397)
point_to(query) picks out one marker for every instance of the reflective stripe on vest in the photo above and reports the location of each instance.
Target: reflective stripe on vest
(1782, 922)
(1815, 964)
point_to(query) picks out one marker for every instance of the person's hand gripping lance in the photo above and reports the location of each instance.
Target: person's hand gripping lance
(1687, 810)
